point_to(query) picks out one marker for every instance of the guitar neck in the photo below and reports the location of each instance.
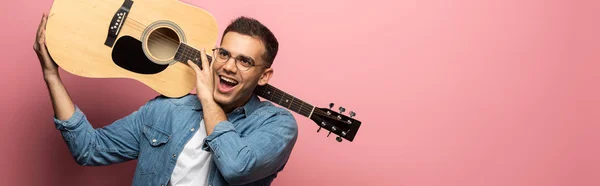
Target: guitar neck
(286, 100)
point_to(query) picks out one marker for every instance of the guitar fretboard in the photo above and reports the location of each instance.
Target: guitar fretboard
(186, 52)
(286, 100)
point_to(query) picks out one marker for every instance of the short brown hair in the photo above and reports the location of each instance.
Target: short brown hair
(252, 27)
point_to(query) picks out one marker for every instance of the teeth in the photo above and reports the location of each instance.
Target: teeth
(229, 80)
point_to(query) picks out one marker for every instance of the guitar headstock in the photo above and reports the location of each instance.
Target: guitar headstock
(336, 122)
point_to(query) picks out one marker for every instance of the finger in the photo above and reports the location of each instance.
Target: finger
(41, 41)
(210, 66)
(42, 29)
(39, 30)
(213, 60)
(44, 21)
(43, 37)
(204, 59)
(194, 66)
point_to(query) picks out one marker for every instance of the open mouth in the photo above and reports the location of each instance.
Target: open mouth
(226, 84)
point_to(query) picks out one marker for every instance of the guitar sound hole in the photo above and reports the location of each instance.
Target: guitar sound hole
(128, 54)
(162, 44)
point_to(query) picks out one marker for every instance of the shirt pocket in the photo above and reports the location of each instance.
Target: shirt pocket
(156, 137)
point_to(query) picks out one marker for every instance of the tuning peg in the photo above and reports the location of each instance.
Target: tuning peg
(339, 139)
(330, 105)
(332, 129)
(352, 114)
(342, 109)
(321, 126)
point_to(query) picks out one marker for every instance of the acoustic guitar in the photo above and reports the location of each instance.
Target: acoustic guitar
(150, 41)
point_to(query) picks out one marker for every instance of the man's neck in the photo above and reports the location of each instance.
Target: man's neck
(228, 109)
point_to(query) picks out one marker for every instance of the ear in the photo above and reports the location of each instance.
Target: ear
(265, 76)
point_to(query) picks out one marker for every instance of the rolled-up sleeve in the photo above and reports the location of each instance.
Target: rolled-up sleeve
(114, 143)
(72, 123)
(220, 129)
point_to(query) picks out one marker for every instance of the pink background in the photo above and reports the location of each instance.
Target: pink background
(450, 93)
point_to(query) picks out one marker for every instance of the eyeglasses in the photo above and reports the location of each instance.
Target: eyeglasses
(241, 62)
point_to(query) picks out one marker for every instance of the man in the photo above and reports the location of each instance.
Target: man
(223, 135)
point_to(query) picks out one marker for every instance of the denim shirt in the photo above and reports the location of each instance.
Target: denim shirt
(250, 148)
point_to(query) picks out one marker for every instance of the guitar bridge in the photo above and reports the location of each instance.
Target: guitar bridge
(117, 22)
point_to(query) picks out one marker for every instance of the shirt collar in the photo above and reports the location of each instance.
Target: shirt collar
(247, 109)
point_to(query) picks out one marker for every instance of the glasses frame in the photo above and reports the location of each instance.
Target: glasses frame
(238, 63)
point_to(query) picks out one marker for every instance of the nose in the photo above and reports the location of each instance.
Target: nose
(229, 65)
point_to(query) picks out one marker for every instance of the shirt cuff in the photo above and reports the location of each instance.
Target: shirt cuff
(211, 142)
(73, 122)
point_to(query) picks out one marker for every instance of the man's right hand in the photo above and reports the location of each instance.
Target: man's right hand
(61, 101)
(49, 67)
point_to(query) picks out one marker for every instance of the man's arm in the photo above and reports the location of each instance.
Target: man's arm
(213, 114)
(61, 102)
(114, 143)
(253, 157)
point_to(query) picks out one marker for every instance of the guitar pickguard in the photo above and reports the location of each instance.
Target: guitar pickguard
(127, 53)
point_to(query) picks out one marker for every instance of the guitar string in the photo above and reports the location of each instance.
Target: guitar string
(141, 27)
(189, 53)
(279, 93)
(160, 38)
(136, 25)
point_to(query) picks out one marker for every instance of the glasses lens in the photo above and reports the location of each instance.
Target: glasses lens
(222, 55)
(241, 62)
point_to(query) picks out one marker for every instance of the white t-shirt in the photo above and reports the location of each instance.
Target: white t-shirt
(193, 163)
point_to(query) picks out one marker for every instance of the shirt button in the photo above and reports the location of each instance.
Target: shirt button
(192, 129)
(153, 140)
(162, 184)
(174, 155)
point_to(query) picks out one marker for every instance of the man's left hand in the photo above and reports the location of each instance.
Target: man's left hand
(204, 78)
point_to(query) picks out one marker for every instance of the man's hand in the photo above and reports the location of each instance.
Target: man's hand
(61, 101)
(213, 113)
(204, 78)
(49, 67)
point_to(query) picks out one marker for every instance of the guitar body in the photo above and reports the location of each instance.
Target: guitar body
(123, 39)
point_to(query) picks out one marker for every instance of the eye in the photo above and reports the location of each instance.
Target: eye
(223, 54)
(247, 62)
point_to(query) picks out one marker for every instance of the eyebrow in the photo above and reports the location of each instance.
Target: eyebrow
(241, 55)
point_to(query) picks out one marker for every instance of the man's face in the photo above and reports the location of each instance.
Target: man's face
(233, 86)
